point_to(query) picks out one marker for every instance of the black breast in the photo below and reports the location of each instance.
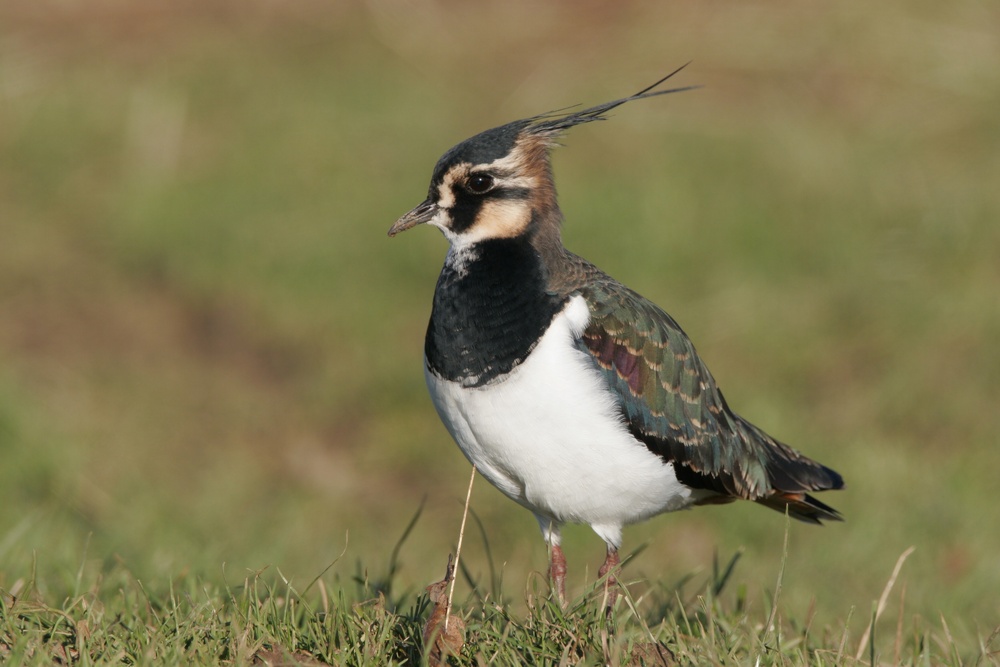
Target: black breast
(488, 312)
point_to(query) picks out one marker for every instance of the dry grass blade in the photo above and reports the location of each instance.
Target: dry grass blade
(897, 647)
(458, 548)
(882, 601)
(777, 587)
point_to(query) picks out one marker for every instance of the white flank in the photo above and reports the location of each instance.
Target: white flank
(549, 435)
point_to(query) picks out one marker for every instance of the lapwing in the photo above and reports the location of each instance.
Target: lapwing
(571, 393)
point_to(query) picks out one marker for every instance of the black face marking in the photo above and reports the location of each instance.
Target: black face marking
(464, 212)
(488, 317)
(467, 205)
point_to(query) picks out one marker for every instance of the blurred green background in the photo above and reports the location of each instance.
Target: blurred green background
(210, 353)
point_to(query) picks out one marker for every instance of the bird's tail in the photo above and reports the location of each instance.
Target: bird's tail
(791, 476)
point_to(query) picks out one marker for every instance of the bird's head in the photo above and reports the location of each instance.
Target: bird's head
(498, 184)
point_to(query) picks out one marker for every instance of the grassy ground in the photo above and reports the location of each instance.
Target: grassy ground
(213, 425)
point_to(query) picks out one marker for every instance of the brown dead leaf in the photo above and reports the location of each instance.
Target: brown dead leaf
(651, 654)
(439, 641)
(279, 656)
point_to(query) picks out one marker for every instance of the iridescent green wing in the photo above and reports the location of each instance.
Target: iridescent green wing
(671, 403)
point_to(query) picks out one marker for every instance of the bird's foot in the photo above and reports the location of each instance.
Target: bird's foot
(607, 575)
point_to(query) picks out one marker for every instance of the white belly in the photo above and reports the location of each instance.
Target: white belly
(550, 437)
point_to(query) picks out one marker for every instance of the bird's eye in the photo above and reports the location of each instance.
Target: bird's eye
(479, 183)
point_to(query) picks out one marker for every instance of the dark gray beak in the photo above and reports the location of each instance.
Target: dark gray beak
(424, 212)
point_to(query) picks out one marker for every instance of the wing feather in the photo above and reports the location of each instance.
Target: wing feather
(671, 403)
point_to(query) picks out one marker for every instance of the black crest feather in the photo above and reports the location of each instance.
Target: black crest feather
(553, 123)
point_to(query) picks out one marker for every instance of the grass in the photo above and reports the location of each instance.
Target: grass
(261, 617)
(210, 384)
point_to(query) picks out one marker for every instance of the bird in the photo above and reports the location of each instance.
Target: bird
(572, 394)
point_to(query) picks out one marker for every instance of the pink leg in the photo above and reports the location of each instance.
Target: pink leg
(607, 572)
(557, 573)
